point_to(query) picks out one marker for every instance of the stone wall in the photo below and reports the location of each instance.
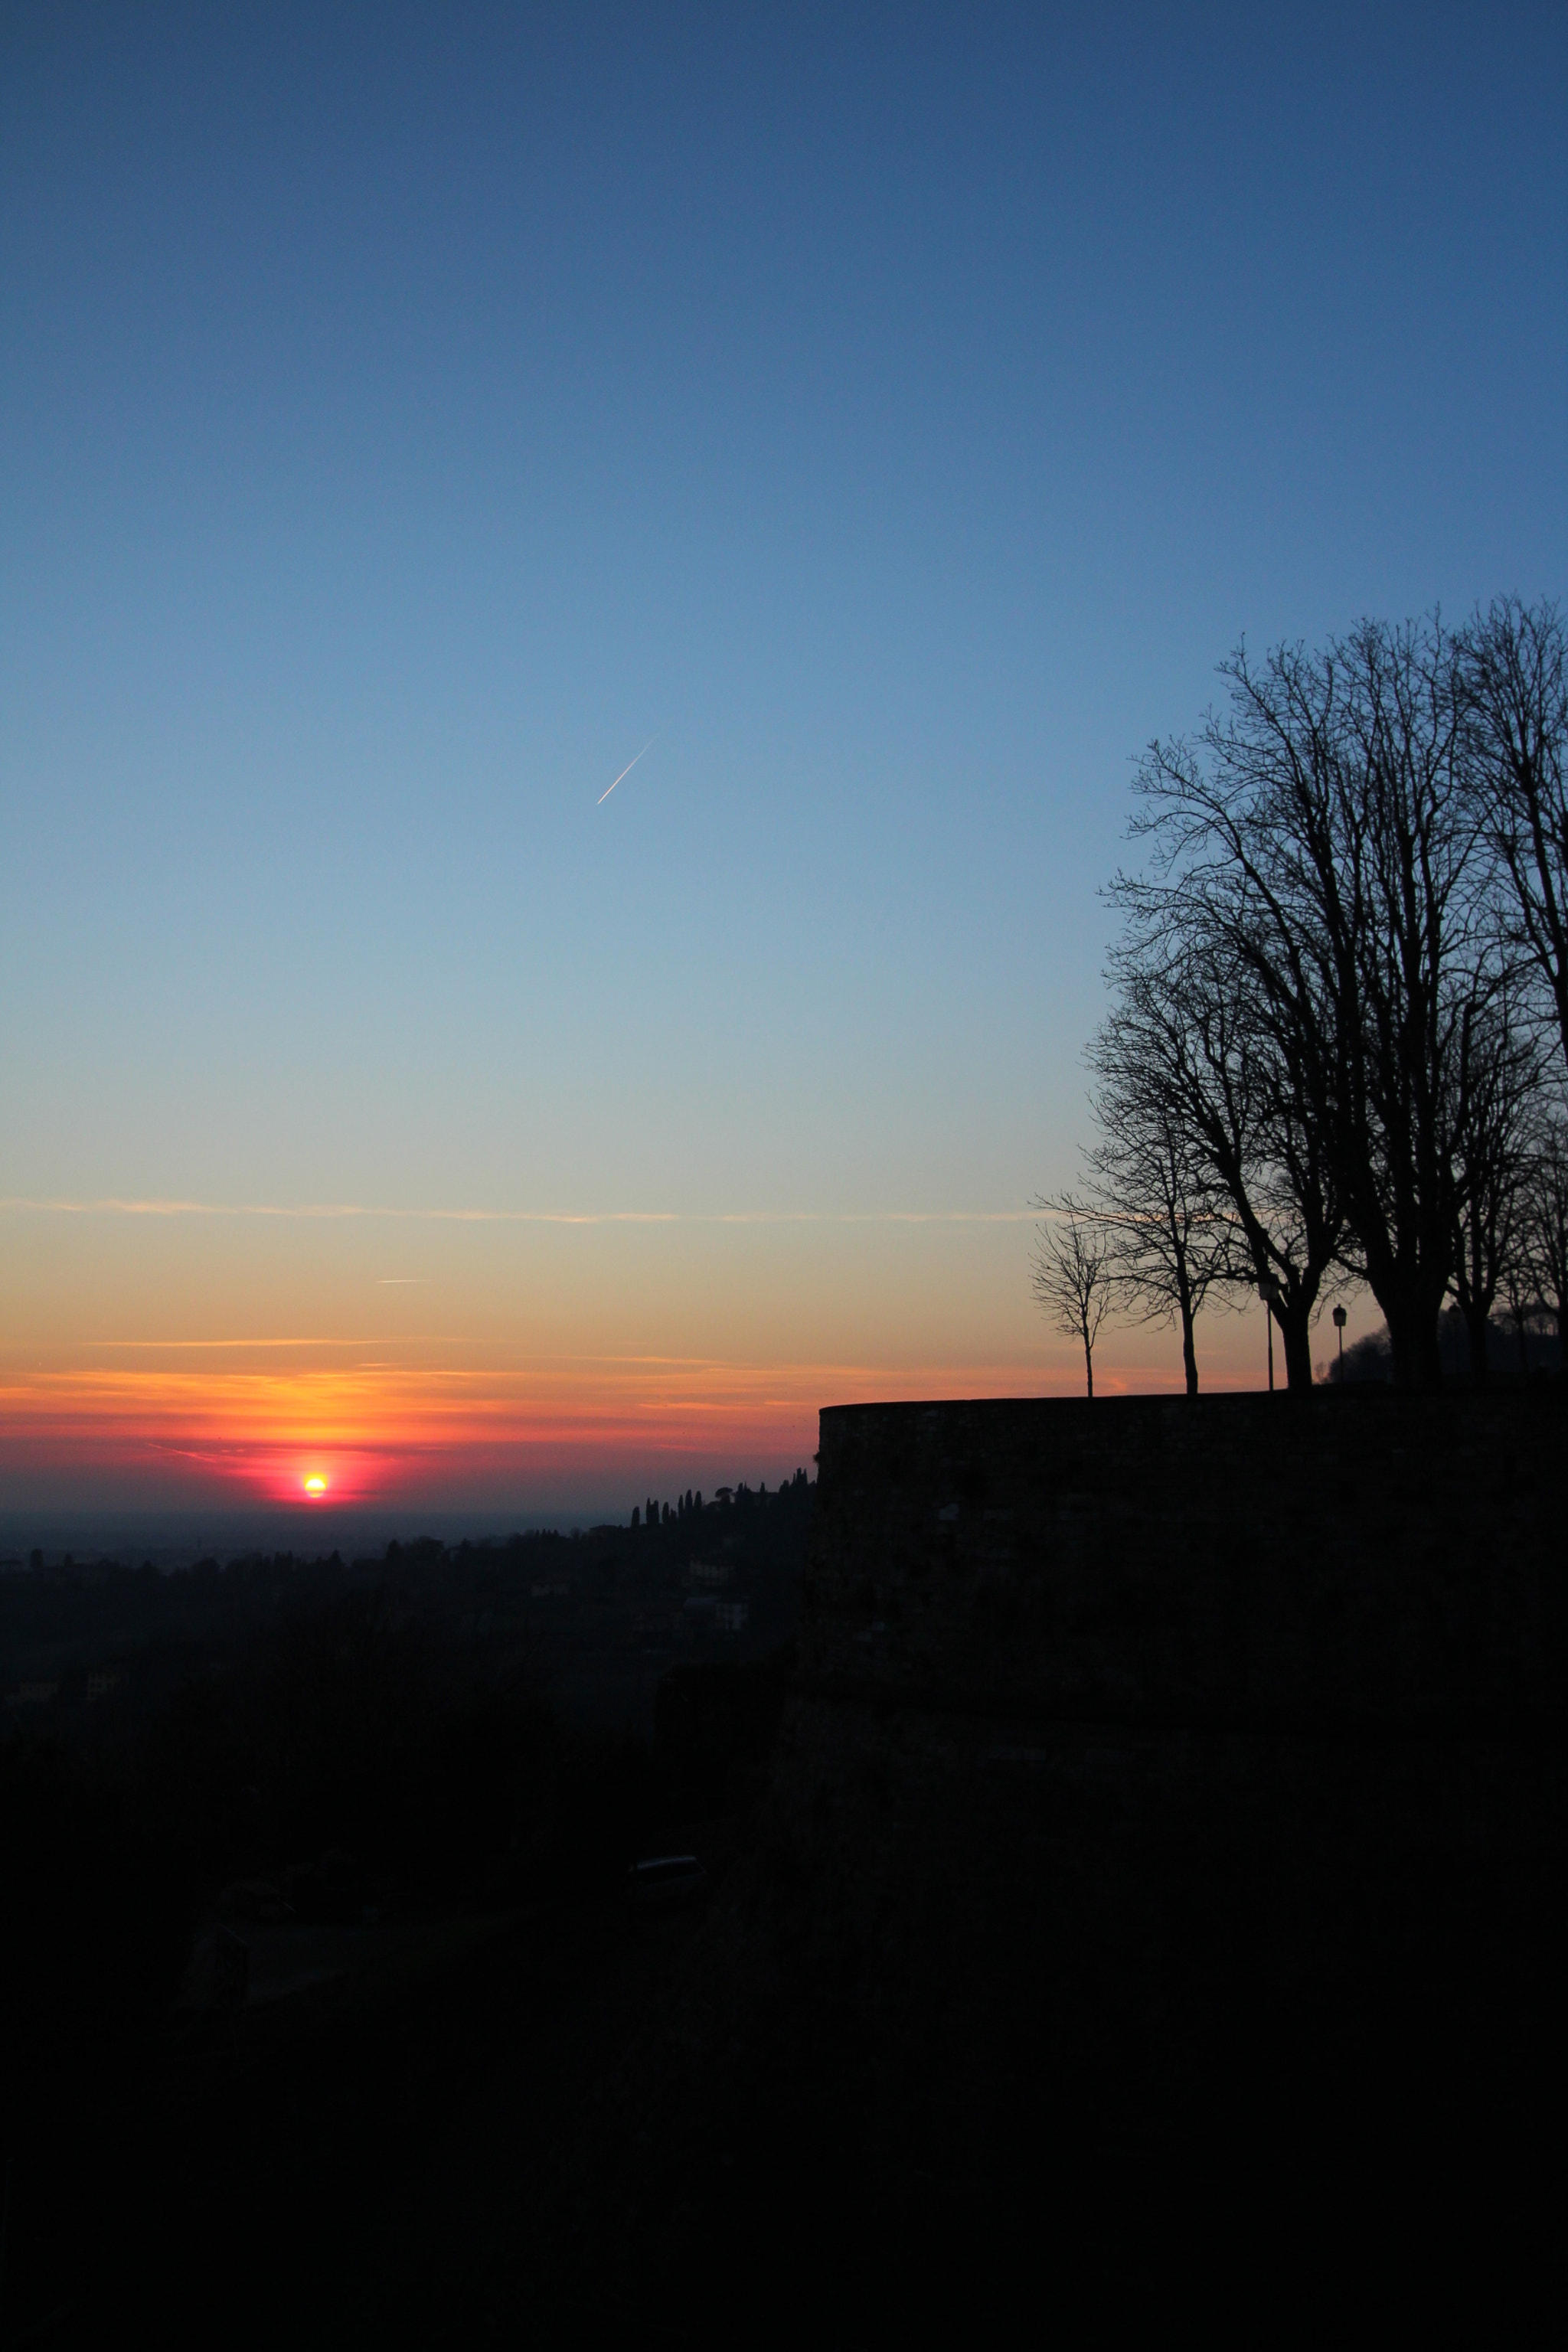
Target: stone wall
(1236, 1562)
(1169, 1813)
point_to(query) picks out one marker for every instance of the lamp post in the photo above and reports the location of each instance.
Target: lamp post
(1270, 1291)
(1341, 1318)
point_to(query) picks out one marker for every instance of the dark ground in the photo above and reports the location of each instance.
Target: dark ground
(1088, 2026)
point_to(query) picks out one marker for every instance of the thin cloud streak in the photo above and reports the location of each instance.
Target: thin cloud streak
(379, 1339)
(327, 1210)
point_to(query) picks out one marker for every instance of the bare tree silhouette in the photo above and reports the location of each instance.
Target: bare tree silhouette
(1494, 1142)
(1322, 837)
(1073, 1275)
(1155, 1191)
(1517, 676)
(1326, 1058)
(1543, 1222)
(1194, 1033)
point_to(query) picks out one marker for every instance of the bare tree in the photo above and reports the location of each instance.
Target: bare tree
(1200, 1034)
(1322, 837)
(1494, 1139)
(1073, 1277)
(1517, 678)
(1156, 1192)
(1523, 1304)
(1543, 1222)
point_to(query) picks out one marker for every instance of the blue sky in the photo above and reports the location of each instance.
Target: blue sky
(408, 412)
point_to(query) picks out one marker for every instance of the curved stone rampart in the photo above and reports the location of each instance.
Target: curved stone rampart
(1349, 1557)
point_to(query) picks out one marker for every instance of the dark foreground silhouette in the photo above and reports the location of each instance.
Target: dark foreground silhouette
(1122, 2015)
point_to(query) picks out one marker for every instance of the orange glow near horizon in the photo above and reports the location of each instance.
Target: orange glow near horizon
(412, 1438)
(561, 1371)
(391, 1437)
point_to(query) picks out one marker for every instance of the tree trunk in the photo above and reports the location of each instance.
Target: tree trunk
(1413, 1339)
(1299, 1350)
(1088, 1365)
(1189, 1353)
(1293, 1319)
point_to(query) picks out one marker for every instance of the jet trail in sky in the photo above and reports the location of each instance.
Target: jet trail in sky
(604, 795)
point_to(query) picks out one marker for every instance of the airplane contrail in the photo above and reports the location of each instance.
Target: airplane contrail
(604, 795)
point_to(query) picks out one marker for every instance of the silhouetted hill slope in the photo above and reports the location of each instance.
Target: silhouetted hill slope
(1026, 1998)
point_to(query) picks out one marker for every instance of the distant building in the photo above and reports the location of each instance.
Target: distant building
(730, 1616)
(103, 1680)
(32, 1695)
(709, 1571)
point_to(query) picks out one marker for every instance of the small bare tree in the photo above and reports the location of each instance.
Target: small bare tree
(1073, 1277)
(1155, 1193)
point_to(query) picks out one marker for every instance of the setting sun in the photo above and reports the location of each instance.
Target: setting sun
(315, 1484)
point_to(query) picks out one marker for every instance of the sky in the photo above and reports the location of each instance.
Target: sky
(888, 418)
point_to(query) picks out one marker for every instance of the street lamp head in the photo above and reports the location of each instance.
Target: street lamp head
(1341, 1318)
